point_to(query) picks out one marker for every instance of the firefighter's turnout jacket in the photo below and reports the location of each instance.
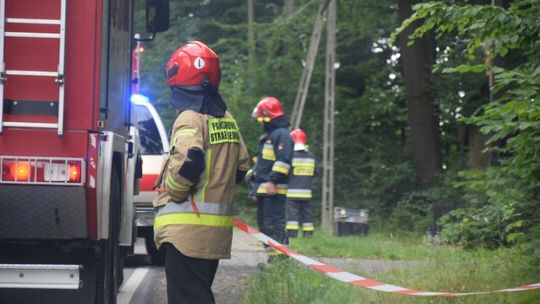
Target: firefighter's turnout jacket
(274, 158)
(195, 212)
(301, 177)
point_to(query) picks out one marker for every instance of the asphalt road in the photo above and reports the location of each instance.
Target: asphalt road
(145, 284)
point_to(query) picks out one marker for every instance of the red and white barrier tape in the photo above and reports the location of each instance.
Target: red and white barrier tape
(356, 280)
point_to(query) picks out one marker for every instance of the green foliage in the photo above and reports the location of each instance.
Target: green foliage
(440, 268)
(503, 199)
(416, 210)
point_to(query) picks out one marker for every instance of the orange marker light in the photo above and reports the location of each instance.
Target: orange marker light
(75, 173)
(21, 171)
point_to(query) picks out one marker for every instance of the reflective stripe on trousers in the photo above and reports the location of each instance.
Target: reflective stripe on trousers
(308, 227)
(292, 225)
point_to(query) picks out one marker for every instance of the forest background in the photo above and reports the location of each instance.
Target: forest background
(441, 134)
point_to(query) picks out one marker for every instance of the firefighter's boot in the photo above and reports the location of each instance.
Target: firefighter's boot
(292, 233)
(308, 233)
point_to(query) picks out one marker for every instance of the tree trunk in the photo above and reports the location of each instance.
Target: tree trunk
(417, 61)
(478, 159)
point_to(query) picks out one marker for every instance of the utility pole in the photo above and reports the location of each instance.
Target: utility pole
(326, 7)
(251, 37)
(303, 87)
(329, 110)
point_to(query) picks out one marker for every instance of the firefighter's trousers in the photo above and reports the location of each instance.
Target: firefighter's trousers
(271, 217)
(299, 212)
(189, 280)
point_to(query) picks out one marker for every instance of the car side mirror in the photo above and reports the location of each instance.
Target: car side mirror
(157, 15)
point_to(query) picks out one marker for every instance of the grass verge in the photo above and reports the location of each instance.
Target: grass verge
(436, 268)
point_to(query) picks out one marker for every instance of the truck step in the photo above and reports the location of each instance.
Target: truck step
(40, 276)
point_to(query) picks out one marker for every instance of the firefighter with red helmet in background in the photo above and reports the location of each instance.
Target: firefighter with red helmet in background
(304, 169)
(207, 157)
(272, 169)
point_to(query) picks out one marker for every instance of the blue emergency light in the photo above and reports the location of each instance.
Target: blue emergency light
(140, 100)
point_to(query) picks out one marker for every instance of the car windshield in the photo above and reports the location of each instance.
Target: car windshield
(148, 131)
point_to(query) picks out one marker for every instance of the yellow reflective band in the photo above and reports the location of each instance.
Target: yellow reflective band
(268, 152)
(176, 186)
(223, 130)
(308, 228)
(181, 132)
(280, 169)
(262, 190)
(292, 227)
(193, 219)
(303, 162)
(298, 195)
(207, 174)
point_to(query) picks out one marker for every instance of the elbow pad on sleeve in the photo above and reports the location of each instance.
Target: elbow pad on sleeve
(194, 165)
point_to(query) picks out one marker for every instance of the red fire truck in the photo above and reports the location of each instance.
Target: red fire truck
(68, 147)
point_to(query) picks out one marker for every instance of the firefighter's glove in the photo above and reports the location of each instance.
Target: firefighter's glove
(193, 166)
(240, 175)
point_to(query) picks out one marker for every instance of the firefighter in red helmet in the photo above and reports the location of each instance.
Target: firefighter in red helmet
(207, 157)
(304, 169)
(272, 170)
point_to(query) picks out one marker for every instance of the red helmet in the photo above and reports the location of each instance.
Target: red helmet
(193, 64)
(299, 136)
(268, 109)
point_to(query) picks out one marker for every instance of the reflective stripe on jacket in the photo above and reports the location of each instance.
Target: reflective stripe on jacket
(195, 213)
(304, 169)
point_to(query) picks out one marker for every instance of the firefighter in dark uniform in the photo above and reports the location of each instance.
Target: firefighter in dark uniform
(272, 170)
(304, 169)
(207, 157)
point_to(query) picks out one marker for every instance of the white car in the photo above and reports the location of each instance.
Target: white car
(154, 150)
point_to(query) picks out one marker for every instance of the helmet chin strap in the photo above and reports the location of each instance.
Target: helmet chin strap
(205, 83)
